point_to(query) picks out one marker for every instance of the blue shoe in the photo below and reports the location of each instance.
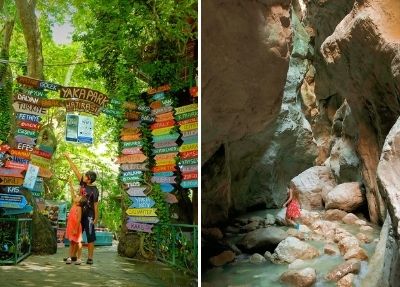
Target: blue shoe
(297, 226)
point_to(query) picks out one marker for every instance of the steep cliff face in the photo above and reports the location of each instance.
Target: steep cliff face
(287, 86)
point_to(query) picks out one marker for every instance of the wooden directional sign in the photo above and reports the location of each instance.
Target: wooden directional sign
(143, 219)
(89, 95)
(27, 81)
(137, 191)
(14, 211)
(12, 201)
(144, 109)
(129, 106)
(160, 89)
(189, 161)
(44, 172)
(132, 158)
(27, 117)
(189, 154)
(133, 184)
(25, 140)
(186, 109)
(166, 187)
(72, 105)
(49, 86)
(132, 150)
(45, 148)
(40, 161)
(162, 131)
(190, 133)
(161, 110)
(141, 211)
(131, 178)
(165, 162)
(12, 189)
(188, 147)
(189, 176)
(132, 173)
(164, 173)
(4, 147)
(188, 121)
(28, 133)
(19, 160)
(190, 140)
(29, 125)
(35, 93)
(130, 131)
(132, 144)
(165, 144)
(160, 125)
(11, 164)
(185, 116)
(189, 183)
(127, 138)
(21, 107)
(165, 150)
(41, 153)
(189, 127)
(142, 227)
(147, 118)
(158, 96)
(163, 179)
(133, 116)
(168, 137)
(111, 112)
(20, 153)
(142, 202)
(164, 168)
(12, 172)
(165, 156)
(26, 98)
(164, 117)
(170, 198)
(156, 104)
(132, 166)
(132, 125)
(49, 103)
(189, 168)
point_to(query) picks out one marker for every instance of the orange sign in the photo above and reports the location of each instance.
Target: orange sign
(127, 138)
(130, 131)
(165, 117)
(29, 125)
(165, 156)
(44, 172)
(132, 158)
(20, 153)
(188, 121)
(188, 154)
(159, 89)
(164, 168)
(48, 103)
(156, 105)
(164, 124)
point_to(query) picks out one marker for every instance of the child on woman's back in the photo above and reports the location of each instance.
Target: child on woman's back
(74, 227)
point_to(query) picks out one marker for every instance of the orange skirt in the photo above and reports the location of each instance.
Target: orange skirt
(293, 209)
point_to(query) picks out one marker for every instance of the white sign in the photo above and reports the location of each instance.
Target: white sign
(30, 176)
(85, 129)
(71, 131)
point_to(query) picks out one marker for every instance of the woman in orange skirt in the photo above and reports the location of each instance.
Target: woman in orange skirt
(293, 208)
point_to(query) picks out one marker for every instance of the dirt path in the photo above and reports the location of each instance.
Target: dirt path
(109, 269)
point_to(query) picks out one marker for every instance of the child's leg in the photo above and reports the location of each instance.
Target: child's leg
(71, 248)
(79, 250)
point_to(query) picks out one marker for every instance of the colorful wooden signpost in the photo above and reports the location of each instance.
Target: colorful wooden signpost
(131, 179)
(89, 95)
(11, 164)
(139, 226)
(82, 106)
(132, 144)
(40, 161)
(169, 137)
(165, 144)
(131, 124)
(12, 201)
(25, 139)
(132, 173)
(189, 127)
(188, 168)
(165, 156)
(141, 211)
(185, 116)
(12, 189)
(186, 109)
(14, 211)
(165, 150)
(29, 125)
(133, 184)
(165, 124)
(188, 147)
(160, 89)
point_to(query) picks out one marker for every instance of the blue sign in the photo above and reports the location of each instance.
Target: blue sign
(12, 201)
(189, 140)
(26, 209)
(189, 183)
(27, 117)
(12, 189)
(132, 173)
(159, 96)
(166, 173)
(166, 187)
(142, 202)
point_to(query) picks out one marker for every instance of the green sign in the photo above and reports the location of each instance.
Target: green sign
(187, 115)
(166, 150)
(132, 144)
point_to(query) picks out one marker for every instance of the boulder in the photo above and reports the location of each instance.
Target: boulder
(251, 226)
(350, 218)
(341, 233)
(308, 217)
(257, 258)
(346, 196)
(331, 249)
(213, 233)
(263, 238)
(256, 218)
(366, 228)
(325, 228)
(292, 248)
(270, 219)
(295, 233)
(222, 258)
(360, 222)
(346, 281)
(311, 184)
(232, 229)
(297, 264)
(334, 214)
(300, 278)
(364, 238)
(281, 217)
(343, 160)
(356, 253)
(347, 244)
(350, 266)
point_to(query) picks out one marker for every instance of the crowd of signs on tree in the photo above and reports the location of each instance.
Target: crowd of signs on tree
(172, 161)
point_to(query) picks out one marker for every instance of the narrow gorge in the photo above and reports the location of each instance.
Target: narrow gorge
(306, 94)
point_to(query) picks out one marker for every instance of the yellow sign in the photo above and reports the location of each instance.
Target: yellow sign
(188, 147)
(141, 211)
(162, 131)
(165, 162)
(188, 127)
(186, 109)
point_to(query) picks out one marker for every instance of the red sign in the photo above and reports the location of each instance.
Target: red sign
(164, 168)
(4, 147)
(188, 154)
(193, 91)
(188, 176)
(11, 172)
(164, 124)
(11, 164)
(42, 153)
(29, 125)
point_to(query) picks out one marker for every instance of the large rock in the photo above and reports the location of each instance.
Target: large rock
(346, 281)
(335, 214)
(346, 196)
(347, 244)
(357, 253)
(263, 238)
(292, 248)
(257, 258)
(350, 218)
(344, 161)
(311, 184)
(300, 278)
(222, 258)
(350, 266)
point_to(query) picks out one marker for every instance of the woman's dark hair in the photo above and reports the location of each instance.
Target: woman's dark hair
(83, 201)
(91, 175)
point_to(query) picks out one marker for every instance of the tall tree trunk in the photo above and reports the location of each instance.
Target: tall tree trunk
(30, 27)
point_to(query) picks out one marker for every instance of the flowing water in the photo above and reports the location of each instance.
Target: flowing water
(242, 273)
